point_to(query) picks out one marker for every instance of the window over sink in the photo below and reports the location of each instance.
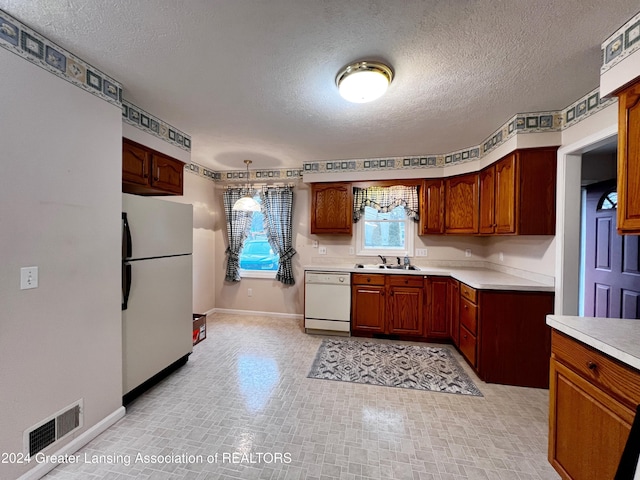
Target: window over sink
(385, 232)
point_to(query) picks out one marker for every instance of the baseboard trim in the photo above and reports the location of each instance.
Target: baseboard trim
(232, 311)
(74, 445)
(210, 312)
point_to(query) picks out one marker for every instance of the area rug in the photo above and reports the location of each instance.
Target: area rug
(392, 365)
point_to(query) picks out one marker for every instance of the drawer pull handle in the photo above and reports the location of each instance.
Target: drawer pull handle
(592, 365)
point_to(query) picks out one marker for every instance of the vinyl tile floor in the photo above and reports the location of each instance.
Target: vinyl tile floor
(243, 408)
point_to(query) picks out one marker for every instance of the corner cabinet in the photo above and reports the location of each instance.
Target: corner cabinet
(461, 200)
(592, 401)
(629, 160)
(331, 208)
(148, 172)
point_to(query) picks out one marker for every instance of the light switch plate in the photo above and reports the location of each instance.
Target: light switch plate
(28, 278)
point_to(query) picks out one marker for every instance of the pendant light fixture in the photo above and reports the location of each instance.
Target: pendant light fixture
(247, 203)
(363, 82)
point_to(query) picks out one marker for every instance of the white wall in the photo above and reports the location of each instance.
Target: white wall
(200, 192)
(60, 207)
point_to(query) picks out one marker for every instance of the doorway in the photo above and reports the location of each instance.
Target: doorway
(609, 263)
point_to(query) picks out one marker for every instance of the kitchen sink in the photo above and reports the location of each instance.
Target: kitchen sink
(382, 266)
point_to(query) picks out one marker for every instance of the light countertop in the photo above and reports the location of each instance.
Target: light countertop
(479, 278)
(618, 338)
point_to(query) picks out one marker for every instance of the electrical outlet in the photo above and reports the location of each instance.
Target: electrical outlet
(467, 252)
(28, 277)
(322, 250)
(352, 251)
(501, 256)
(421, 252)
(315, 244)
(249, 292)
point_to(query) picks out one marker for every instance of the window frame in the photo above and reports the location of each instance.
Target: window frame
(409, 234)
(244, 273)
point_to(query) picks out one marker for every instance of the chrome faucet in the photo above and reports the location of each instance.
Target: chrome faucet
(384, 260)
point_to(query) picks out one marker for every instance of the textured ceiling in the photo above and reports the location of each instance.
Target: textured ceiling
(255, 79)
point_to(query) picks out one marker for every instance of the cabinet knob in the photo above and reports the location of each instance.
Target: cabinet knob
(155, 179)
(406, 281)
(592, 365)
(368, 279)
(466, 307)
(465, 336)
(391, 293)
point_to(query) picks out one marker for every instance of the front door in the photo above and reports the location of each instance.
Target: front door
(612, 263)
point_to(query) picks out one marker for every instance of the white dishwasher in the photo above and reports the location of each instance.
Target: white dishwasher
(327, 302)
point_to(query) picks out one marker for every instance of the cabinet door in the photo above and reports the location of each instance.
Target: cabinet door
(367, 308)
(588, 429)
(331, 208)
(487, 200)
(505, 195)
(629, 160)
(432, 214)
(461, 200)
(406, 306)
(437, 318)
(135, 163)
(167, 173)
(453, 310)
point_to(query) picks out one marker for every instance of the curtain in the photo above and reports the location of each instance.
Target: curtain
(238, 224)
(385, 199)
(277, 203)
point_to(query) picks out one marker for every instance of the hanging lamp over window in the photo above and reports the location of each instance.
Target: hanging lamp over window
(247, 203)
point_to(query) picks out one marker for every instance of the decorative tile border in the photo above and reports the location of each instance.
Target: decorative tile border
(134, 115)
(18, 38)
(240, 176)
(201, 171)
(621, 44)
(519, 124)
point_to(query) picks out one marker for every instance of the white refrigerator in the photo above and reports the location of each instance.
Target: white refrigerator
(157, 243)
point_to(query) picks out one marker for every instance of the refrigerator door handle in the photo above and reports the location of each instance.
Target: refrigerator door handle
(127, 247)
(126, 284)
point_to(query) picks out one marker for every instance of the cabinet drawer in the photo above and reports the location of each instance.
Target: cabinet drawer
(621, 381)
(468, 345)
(468, 315)
(363, 279)
(467, 292)
(406, 280)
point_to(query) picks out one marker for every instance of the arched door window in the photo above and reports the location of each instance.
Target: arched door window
(609, 200)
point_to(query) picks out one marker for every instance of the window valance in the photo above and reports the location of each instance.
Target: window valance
(385, 199)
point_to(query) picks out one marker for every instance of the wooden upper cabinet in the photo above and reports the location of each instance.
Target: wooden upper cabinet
(166, 173)
(629, 160)
(505, 195)
(486, 177)
(518, 194)
(148, 172)
(331, 208)
(461, 199)
(534, 193)
(135, 163)
(432, 207)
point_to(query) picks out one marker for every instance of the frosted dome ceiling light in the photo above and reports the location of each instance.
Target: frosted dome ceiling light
(363, 82)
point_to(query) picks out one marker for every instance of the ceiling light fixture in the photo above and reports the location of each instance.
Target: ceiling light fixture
(363, 82)
(247, 203)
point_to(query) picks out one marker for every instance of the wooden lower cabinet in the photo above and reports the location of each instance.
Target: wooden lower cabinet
(592, 400)
(387, 304)
(438, 318)
(504, 336)
(453, 310)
